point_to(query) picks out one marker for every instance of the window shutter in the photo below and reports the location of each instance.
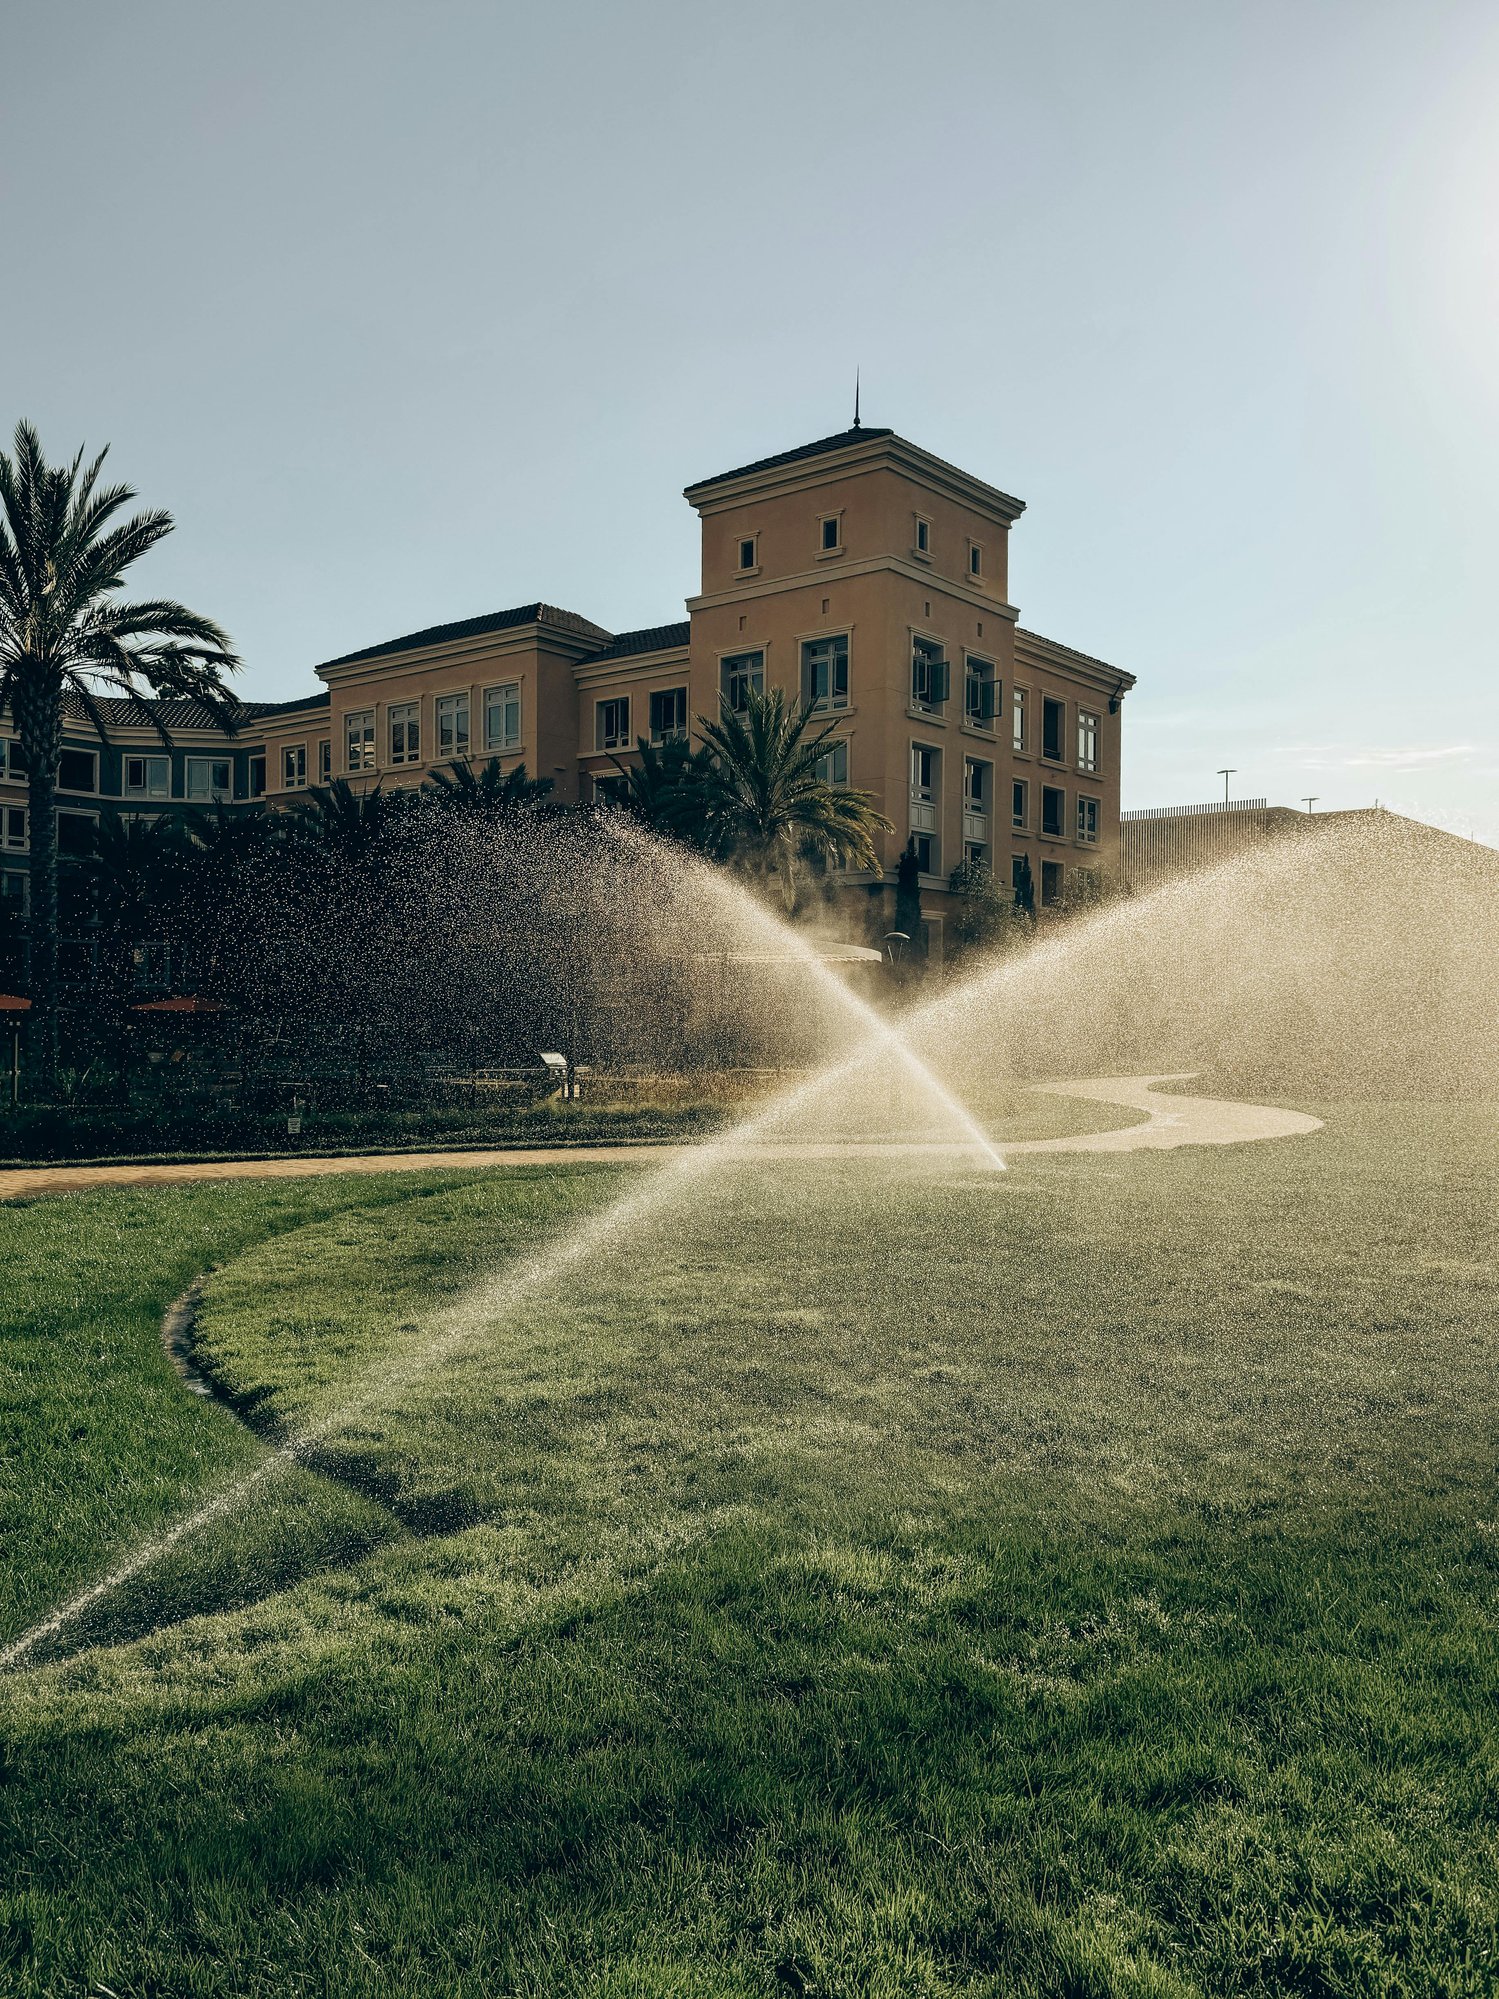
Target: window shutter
(939, 682)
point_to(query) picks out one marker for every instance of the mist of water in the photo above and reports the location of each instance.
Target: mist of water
(1361, 959)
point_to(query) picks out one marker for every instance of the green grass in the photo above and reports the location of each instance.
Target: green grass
(849, 1580)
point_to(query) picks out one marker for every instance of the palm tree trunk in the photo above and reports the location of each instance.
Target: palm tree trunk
(38, 713)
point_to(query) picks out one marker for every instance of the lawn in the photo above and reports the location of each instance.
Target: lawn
(837, 1579)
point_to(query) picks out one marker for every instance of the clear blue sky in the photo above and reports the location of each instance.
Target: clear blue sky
(413, 311)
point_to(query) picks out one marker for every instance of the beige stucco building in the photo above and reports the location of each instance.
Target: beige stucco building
(859, 572)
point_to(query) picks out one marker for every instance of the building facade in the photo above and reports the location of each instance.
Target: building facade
(859, 573)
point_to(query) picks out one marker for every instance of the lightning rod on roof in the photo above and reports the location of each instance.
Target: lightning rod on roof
(856, 399)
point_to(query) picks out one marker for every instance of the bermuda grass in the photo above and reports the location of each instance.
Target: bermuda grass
(845, 1580)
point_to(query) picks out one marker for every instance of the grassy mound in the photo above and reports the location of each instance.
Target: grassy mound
(833, 1579)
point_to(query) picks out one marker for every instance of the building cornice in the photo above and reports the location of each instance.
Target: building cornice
(1051, 656)
(873, 565)
(922, 468)
(597, 673)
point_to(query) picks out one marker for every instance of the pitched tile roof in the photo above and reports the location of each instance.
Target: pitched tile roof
(122, 711)
(650, 638)
(471, 628)
(836, 443)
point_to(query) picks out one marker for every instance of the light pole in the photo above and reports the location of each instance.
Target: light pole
(1226, 774)
(1310, 802)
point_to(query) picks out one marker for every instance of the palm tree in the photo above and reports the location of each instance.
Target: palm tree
(346, 824)
(768, 800)
(489, 793)
(65, 635)
(667, 791)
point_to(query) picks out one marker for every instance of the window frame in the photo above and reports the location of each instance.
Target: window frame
(404, 715)
(975, 557)
(938, 669)
(500, 698)
(752, 543)
(921, 537)
(364, 718)
(448, 708)
(1053, 876)
(215, 794)
(144, 788)
(15, 829)
(981, 720)
(1087, 741)
(293, 772)
(619, 737)
(1020, 720)
(836, 698)
(325, 760)
(664, 732)
(729, 671)
(1020, 822)
(1089, 818)
(826, 548)
(1054, 704)
(90, 790)
(1059, 830)
(256, 766)
(836, 751)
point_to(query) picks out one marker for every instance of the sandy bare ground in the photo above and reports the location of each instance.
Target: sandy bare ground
(1170, 1121)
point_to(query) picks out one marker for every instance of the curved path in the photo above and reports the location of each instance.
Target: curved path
(1170, 1121)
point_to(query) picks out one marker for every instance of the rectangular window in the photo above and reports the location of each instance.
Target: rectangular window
(976, 778)
(980, 692)
(13, 828)
(1087, 740)
(926, 852)
(611, 790)
(294, 767)
(740, 675)
(976, 853)
(405, 718)
(1017, 719)
(825, 672)
(924, 769)
(255, 774)
(832, 766)
(147, 777)
(325, 760)
(1020, 870)
(359, 740)
(452, 725)
(78, 770)
(1087, 820)
(1053, 729)
(76, 832)
(1053, 811)
(928, 675)
(832, 533)
(747, 557)
(1051, 884)
(502, 716)
(975, 559)
(612, 723)
(923, 536)
(669, 715)
(14, 899)
(7, 753)
(209, 780)
(1020, 810)
(926, 800)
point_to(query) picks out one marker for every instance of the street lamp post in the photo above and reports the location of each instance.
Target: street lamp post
(1229, 771)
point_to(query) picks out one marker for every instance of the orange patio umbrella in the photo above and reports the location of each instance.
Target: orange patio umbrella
(191, 1004)
(13, 1003)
